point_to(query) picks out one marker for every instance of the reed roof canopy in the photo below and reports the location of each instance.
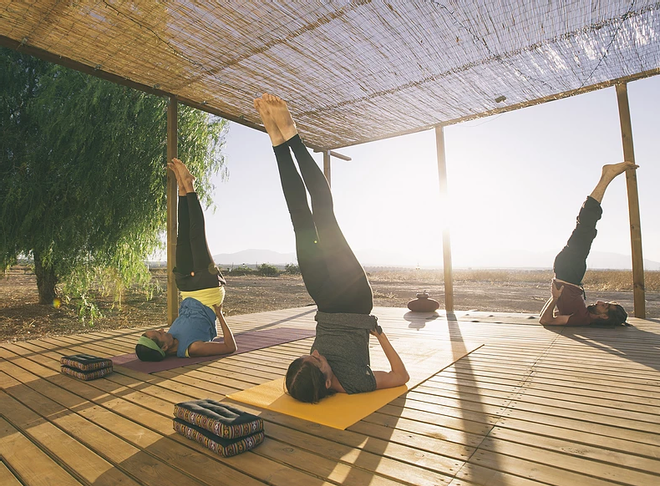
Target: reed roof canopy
(352, 72)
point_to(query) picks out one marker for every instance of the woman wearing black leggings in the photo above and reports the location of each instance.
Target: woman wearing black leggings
(567, 293)
(339, 359)
(200, 283)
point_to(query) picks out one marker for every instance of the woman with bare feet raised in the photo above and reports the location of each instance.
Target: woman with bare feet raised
(201, 285)
(339, 359)
(567, 293)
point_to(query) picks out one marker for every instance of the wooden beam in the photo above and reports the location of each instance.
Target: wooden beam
(340, 156)
(639, 298)
(172, 195)
(446, 242)
(327, 169)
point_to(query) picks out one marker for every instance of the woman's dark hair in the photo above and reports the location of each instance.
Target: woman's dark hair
(616, 315)
(145, 353)
(305, 382)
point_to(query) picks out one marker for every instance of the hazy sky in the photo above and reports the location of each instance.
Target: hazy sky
(516, 182)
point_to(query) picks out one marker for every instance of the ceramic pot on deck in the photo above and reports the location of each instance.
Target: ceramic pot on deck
(423, 303)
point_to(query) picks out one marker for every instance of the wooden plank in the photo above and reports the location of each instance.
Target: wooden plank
(528, 469)
(586, 382)
(7, 477)
(380, 460)
(639, 299)
(398, 469)
(168, 460)
(66, 449)
(475, 474)
(515, 409)
(432, 413)
(388, 466)
(143, 436)
(575, 463)
(534, 393)
(626, 397)
(32, 466)
(112, 446)
(621, 456)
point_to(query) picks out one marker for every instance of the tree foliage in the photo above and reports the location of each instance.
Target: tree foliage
(82, 171)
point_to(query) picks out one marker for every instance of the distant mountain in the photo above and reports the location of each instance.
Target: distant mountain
(529, 259)
(251, 257)
(501, 259)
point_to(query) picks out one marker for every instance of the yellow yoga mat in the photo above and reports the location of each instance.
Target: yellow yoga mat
(342, 410)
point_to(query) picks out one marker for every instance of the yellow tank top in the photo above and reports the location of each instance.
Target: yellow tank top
(208, 297)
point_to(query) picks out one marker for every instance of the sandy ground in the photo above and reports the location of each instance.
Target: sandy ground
(21, 317)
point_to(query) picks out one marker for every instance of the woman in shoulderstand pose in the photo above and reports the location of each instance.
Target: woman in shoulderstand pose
(201, 285)
(339, 359)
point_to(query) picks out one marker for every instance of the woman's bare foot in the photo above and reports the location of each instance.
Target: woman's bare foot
(280, 115)
(610, 171)
(607, 175)
(274, 133)
(182, 190)
(184, 175)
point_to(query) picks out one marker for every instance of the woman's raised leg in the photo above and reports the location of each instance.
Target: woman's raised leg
(310, 256)
(191, 236)
(346, 288)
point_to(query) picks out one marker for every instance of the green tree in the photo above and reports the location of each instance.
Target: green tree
(82, 171)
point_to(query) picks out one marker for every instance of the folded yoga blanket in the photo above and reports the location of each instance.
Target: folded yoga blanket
(85, 366)
(224, 421)
(223, 447)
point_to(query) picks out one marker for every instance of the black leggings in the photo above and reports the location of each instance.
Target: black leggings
(195, 269)
(333, 276)
(571, 263)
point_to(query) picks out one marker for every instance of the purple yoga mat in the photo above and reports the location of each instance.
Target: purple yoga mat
(245, 341)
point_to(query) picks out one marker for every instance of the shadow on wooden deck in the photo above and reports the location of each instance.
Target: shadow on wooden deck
(531, 406)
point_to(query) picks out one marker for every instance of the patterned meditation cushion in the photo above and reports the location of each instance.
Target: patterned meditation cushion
(224, 447)
(85, 362)
(219, 445)
(86, 375)
(221, 420)
(85, 366)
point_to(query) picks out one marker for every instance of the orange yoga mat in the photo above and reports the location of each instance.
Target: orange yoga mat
(342, 410)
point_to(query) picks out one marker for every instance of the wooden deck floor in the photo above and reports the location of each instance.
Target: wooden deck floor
(531, 406)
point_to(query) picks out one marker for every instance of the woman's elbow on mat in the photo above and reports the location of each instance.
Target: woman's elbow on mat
(201, 348)
(390, 379)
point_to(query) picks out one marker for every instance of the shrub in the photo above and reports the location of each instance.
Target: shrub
(267, 270)
(242, 270)
(292, 269)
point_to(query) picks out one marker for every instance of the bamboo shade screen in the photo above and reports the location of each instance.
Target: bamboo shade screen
(351, 71)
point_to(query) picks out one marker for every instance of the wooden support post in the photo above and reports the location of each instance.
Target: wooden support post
(327, 167)
(446, 242)
(639, 297)
(172, 200)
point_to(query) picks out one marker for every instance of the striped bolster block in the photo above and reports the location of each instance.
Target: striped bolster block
(224, 429)
(85, 366)
(223, 447)
(222, 420)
